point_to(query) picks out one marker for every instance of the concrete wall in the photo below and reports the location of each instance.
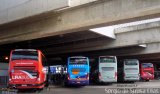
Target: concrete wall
(3, 69)
(4, 66)
(79, 2)
(77, 19)
(125, 37)
(11, 10)
(3, 72)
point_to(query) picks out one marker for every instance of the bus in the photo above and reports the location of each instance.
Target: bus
(78, 70)
(107, 69)
(27, 69)
(131, 70)
(147, 71)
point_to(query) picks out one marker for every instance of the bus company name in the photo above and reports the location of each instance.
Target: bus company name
(20, 77)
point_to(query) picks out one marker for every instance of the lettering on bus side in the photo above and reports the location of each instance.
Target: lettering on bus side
(20, 77)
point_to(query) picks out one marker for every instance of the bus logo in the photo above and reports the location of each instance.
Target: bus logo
(19, 77)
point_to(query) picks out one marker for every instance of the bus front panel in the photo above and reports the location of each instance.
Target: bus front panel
(78, 71)
(131, 70)
(108, 69)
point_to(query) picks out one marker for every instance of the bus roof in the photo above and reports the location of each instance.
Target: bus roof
(131, 59)
(146, 63)
(25, 50)
(107, 56)
(77, 57)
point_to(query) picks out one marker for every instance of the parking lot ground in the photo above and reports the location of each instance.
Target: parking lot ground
(151, 87)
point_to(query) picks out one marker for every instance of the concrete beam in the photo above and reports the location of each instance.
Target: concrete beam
(19, 9)
(73, 3)
(151, 48)
(130, 52)
(81, 18)
(139, 27)
(125, 39)
(143, 57)
(64, 39)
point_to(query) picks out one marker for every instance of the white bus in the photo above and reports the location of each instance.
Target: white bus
(107, 69)
(131, 70)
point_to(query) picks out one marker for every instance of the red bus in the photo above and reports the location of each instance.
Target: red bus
(147, 71)
(27, 69)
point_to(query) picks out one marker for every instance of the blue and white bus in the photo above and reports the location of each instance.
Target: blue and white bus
(78, 70)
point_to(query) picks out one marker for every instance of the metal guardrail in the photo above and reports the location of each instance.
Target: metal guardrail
(4, 84)
(3, 79)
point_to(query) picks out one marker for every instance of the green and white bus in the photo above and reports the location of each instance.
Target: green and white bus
(131, 70)
(107, 69)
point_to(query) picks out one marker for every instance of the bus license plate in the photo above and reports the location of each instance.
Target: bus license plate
(78, 82)
(24, 85)
(79, 79)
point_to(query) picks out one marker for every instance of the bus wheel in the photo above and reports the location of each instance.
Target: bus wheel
(147, 80)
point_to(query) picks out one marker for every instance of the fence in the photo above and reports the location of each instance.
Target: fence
(3, 81)
(3, 86)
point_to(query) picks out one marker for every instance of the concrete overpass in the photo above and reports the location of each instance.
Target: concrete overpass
(62, 28)
(20, 26)
(65, 28)
(130, 41)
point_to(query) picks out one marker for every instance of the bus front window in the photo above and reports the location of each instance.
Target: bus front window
(147, 65)
(131, 63)
(107, 59)
(17, 55)
(78, 61)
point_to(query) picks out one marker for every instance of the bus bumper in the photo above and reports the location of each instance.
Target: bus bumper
(147, 78)
(107, 81)
(26, 86)
(75, 82)
(131, 79)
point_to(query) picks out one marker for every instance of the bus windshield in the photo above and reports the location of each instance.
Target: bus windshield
(107, 60)
(16, 55)
(78, 61)
(147, 65)
(131, 62)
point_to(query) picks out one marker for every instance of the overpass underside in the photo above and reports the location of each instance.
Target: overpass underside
(139, 41)
(66, 32)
